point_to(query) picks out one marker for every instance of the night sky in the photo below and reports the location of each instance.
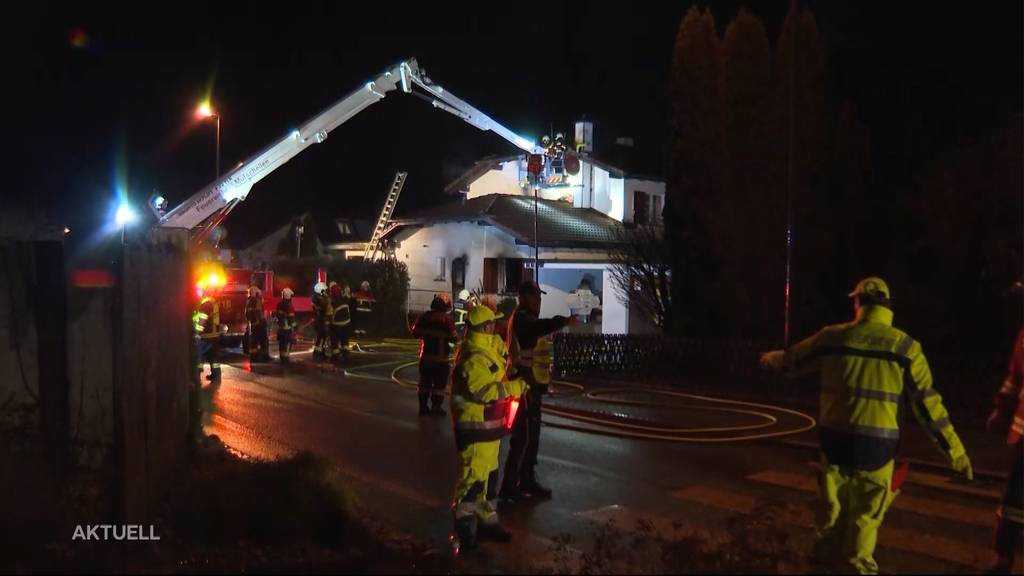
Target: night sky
(103, 96)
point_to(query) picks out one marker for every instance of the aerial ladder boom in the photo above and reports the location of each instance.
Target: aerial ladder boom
(209, 206)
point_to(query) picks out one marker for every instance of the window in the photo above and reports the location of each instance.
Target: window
(440, 268)
(490, 275)
(515, 274)
(656, 210)
(641, 207)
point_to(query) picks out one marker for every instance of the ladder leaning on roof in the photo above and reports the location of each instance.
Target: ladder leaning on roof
(385, 216)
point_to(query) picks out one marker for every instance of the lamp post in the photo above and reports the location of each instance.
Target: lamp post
(205, 112)
(299, 230)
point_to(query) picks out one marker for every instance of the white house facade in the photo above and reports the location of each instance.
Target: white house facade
(485, 242)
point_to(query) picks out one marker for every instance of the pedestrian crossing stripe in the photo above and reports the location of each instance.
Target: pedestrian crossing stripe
(903, 502)
(944, 549)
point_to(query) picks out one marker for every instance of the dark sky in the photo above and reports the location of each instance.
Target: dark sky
(924, 76)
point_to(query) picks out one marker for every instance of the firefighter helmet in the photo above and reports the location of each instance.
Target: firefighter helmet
(480, 315)
(464, 295)
(365, 286)
(319, 288)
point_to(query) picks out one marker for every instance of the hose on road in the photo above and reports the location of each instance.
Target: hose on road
(614, 427)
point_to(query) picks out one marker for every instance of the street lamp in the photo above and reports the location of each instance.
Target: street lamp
(299, 230)
(205, 112)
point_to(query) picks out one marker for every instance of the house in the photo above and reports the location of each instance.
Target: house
(485, 241)
(333, 236)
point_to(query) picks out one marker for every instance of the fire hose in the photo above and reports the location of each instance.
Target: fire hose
(615, 427)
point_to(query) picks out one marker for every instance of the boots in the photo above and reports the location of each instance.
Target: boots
(535, 489)
(436, 408)
(424, 411)
(463, 538)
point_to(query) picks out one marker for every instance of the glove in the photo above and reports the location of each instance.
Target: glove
(772, 360)
(962, 465)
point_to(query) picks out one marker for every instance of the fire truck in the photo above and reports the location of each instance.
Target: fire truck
(205, 210)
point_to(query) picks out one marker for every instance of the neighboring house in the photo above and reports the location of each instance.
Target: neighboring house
(343, 237)
(339, 237)
(486, 241)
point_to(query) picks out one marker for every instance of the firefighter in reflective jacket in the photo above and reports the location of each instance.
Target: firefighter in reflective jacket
(482, 411)
(866, 366)
(1008, 419)
(464, 302)
(340, 313)
(530, 347)
(285, 314)
(320, 304)
(364, 306)
(259, 341)
(436, 331)
(206, 321)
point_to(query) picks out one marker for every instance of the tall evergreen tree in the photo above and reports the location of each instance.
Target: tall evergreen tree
(696, 180)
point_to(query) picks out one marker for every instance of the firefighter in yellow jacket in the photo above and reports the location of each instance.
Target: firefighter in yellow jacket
(482, 410)
(206, 321)
(866, 366)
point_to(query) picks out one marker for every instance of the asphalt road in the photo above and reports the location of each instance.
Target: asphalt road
(402, 469)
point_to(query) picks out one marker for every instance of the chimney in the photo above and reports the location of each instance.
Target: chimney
(585, 136)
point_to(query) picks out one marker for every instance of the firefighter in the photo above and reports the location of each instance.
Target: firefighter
(866, 366)
(259, 340)
(285, 324)
(530, 346)
(481, 410)
(341, 321)
(364, 305)
(436, 331)
(463, 303)
(206, 321)
(320, 304)
(1008, 419)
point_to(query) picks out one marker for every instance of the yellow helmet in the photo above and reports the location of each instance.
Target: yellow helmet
(872, 286)
(480, 315)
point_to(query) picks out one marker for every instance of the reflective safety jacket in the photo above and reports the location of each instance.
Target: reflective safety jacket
(206, 318)
(530, 345)
(339, 311)
(866, 367)
(481, 394)
(364, 301)
(1009, 400)
(436, 331)
(254, 310)
(285, 315)
(459, 312)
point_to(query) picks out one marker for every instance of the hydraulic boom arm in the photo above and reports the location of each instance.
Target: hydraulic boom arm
(206, 208)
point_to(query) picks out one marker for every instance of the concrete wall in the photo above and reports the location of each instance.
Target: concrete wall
(154, 369)
(19, 348)
(91, 374)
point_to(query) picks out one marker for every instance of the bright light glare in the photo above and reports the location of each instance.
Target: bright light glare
(205, 110)
(125, 215)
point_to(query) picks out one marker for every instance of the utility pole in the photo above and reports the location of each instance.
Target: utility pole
(794, 33)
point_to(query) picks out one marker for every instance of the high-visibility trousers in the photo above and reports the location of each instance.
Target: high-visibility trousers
(855, 504)
(476, 463)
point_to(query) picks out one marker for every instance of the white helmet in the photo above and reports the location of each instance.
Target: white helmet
(365, 286)
(464, 295)
(287, 293)
(319, 288)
